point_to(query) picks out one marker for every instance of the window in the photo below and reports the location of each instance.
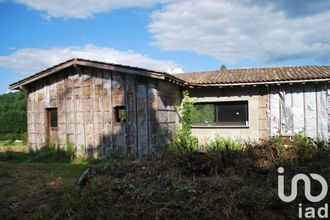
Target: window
(52, 117)
(120, 113)
(221, 113)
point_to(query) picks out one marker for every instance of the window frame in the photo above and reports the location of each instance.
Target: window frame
(217, 123)
(52, 112)
(117, 110)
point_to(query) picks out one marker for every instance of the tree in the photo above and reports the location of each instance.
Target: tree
(223, 67)
(13, 114)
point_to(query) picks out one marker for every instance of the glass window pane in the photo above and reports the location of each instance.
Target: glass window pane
(232, 113)
(53, 118)
(203, 113)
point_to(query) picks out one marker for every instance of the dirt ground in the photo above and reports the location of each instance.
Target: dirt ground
(26, 189)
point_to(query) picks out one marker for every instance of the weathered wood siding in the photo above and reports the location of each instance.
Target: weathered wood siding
(85, 99)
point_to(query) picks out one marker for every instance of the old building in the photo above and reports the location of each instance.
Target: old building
(101, 107)
(262, 102)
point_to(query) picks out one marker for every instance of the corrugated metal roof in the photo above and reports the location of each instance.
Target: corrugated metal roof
(256, 75)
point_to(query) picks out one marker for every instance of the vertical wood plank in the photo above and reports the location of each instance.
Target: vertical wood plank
(131, 115)
(153, 109)
(118, 98)
(142, 122)
(107, 111)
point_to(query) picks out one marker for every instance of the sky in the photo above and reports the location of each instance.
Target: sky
(166, 35)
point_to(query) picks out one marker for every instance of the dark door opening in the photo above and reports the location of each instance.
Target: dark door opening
(52, 125)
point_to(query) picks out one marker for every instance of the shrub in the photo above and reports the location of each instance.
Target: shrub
(70, 148)
(24, 138)
(223, 144)
(51, 153)
(182, 139)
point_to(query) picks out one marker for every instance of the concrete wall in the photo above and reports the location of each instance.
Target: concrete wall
(85, 99)
(257, 98)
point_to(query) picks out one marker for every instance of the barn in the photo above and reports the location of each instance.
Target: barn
(103, 107)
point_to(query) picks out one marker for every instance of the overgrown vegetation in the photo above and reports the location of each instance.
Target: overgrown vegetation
(13, 116)
(182, 139)
(227, 180)
(52, 153)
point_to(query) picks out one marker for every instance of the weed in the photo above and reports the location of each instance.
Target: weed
(182, 138)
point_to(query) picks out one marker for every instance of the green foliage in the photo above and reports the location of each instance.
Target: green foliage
(182, 138)
(223, 67)
(48, 154)
(13, 115)
(220, 144)
(24, 138)
(186, 111)
(70, 148)
(202, 112)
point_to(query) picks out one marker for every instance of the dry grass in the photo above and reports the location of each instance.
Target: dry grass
(219, 184)
(23, 149)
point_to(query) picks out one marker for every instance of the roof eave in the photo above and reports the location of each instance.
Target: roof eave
(259, 83)
(96, 64)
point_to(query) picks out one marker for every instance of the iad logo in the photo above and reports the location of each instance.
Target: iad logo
(310, 212)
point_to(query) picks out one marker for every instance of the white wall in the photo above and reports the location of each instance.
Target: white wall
(300, 108)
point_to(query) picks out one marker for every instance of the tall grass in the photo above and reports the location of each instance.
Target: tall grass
(221, 144)
(216, 155)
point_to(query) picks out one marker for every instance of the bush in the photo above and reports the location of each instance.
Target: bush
(13, 120)
(50, 154)
(223, 144)
(70, 148)
(182, 139)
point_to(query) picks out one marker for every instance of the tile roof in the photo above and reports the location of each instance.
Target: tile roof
(256, 75)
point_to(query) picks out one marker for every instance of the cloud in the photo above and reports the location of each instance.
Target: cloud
(236, 30)
(82, 9)
(293, 8)
(31, 60)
